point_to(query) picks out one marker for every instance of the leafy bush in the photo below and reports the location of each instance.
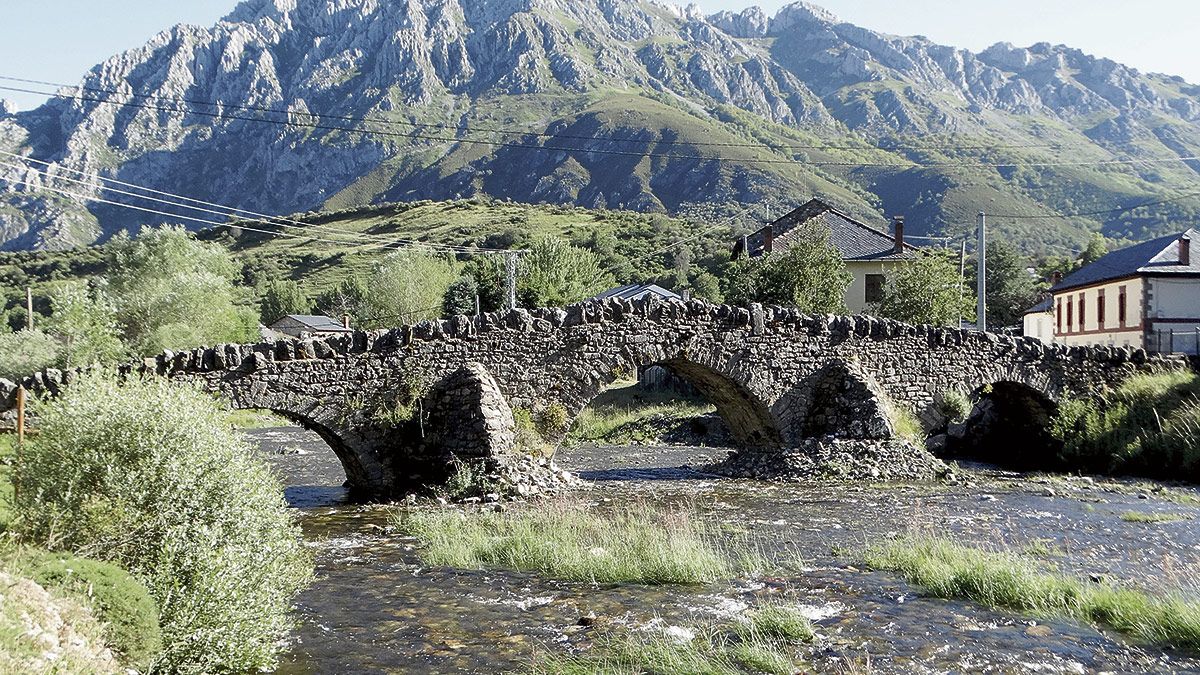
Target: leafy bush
(927, 290)
(555, 273)
(26, 352)
(119, 601)
(85, 321)
(172, 291)
(149, 475)
(554, 421)
(809, 275)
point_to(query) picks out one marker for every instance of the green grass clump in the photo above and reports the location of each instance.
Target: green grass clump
(121, 603)
(7, 457)
(907, 426)
(1006, 580)
(1142, 517)
(43, 633)
(1149, 426)
(257, 419)
(766, 642)
(570, 541)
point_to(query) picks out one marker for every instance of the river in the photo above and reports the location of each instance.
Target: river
(375, 608)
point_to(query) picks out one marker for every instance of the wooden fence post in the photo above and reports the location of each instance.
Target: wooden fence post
(20, 416)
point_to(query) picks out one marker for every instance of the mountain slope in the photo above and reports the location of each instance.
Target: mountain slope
(606, 103)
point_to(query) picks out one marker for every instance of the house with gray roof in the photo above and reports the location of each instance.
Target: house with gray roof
(307, 325)
(870, 254)
(638, 291)
(1146, 295)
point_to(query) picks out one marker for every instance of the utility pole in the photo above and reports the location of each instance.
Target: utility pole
(962, 279)
(29, 307)
(510, 280)
(981, 251)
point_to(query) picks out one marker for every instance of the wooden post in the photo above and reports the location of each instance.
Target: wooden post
(29, 307)
(20, 416)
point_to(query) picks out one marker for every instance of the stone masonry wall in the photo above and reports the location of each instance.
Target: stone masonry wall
(767, 369)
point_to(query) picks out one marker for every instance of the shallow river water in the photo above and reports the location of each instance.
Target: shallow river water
(374, 607)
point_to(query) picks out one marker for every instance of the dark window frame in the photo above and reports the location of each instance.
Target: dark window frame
(874, 289)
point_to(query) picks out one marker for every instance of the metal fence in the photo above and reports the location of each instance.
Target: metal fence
(1173, 341)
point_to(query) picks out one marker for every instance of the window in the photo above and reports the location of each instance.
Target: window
(875, 287)
(1082, 313)
(1121, 310)
(1100, 318)
(1070, 315)
(1058, 316)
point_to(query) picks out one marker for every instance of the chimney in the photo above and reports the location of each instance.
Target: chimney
(346, 321)
(898, 228)
(1185, 250)
(769, 239)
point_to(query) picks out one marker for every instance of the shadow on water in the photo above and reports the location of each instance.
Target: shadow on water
(657, 473)
(311, 496)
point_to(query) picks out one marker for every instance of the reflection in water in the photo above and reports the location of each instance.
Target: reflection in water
(375, 608)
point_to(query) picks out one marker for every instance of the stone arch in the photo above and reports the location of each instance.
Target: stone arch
(1009, 425)
(365, 475)
(748, 418)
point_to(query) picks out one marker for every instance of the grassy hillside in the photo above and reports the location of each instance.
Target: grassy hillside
(323, 249)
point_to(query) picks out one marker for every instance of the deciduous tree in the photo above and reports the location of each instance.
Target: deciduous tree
(927, 290)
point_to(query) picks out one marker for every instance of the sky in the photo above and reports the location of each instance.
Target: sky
(59, 40)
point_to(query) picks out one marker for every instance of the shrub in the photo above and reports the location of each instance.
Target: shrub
(26, 352)
(119, 601)
(149, 475)
(554, 421)
(954, 406)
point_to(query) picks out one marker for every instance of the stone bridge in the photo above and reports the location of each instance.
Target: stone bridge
(400, 406)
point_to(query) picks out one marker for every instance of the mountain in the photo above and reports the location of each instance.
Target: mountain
(614, 104)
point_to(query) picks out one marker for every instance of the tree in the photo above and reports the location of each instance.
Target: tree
(282, 297)
(809, 275)
(174, 292)
(348, 298)
(927, 290)
(1097, 247)
(488, 273)
(409, 286)
(1011, 289)
(26, 352)
(555, 273)
(460, 297)
(85, 322)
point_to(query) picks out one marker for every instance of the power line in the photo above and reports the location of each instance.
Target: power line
(602, 151)
(233, 212)
(516, 132)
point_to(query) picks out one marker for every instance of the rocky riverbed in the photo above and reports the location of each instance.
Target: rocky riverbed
(375, 608)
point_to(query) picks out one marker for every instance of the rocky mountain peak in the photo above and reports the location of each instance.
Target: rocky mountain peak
(613, 77)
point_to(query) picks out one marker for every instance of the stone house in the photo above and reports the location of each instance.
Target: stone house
(305, 325)
(870, 254)
(1147, 295)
